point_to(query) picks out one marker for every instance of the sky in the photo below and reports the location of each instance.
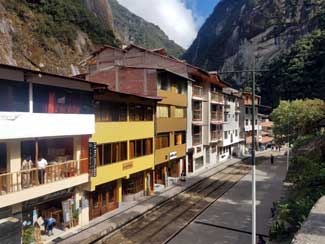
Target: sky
(179, 19)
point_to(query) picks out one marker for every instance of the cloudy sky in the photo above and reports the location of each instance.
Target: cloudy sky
(179, 19)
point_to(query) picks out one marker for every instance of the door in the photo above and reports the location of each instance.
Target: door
(207, 155)
(190, 162)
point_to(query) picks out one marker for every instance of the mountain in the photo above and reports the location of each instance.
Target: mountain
(132, 29)
(238, 30)
(55, 35)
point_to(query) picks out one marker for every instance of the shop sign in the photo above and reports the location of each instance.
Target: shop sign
(172, 155)
(92, 153)
(127, 165)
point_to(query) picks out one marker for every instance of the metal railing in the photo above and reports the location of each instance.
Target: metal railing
(197, 91)
(24, 179)
(217, 97)
(216, 116)
(216, 135)
(197, 115)
(197, 139)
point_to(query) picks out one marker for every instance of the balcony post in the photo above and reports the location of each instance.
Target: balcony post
(30, 93)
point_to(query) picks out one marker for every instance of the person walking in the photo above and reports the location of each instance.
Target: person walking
(272, 159)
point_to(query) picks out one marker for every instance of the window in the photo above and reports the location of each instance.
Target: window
(180, 137)
(214, 149)
(226, 116)
(256, 122)
(246, 122)
(226, 134)
(3, 158)
(140, 147)
(236, 132)
(13, 96)
(163, 111)
(180, 112)
(162, 140)
(180, 87)
(107, 111)
(163, 83)
(47, 99)
(139, 112)
(197, 110)
(111, 153)
(236, 117)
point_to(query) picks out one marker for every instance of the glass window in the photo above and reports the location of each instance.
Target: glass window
(180, 137)
(226, 134)
(13, 96)
(112, 152)
(139, 112)
(181, 87)
(108, 111)
(140, 147)
(163, 83)
(162, 140)
(163, 111)
(180, 112)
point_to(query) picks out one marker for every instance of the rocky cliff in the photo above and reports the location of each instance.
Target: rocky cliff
(237, 30)
(54, 35)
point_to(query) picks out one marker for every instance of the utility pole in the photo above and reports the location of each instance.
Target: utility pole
(253, 159)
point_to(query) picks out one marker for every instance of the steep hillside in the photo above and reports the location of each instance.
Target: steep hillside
(132, 29)
(51, 35)
(54, 35)
(239, 29)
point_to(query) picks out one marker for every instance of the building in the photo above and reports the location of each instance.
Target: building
(33, 107)
(151, 73)
(267, 131)
(124, 138)
(247, 96)
(232, 142)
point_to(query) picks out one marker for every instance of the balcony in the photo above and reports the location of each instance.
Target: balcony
(216, 116)
(28, 125)
(227, 107)
(217, 98)
(216, 135)
(23, 185)
(197, 115)
(197, 91)
(197, 139)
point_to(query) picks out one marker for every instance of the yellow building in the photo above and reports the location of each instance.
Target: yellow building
(170, 141)
(125, 151)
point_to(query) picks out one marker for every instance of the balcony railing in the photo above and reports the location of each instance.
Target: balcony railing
(216, 135)
(216, 116)
(197, 115)
(24, 179)
(197, 91)
(197, 139)
(217, 97)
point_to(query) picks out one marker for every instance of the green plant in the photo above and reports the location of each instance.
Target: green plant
(28, 235)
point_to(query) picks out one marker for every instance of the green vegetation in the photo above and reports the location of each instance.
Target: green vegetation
(296, 119)
(60, 19)
(298, 73)
(307, 174)
(28, 235)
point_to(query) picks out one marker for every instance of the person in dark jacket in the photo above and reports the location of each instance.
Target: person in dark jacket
(272, 159)
(261, 240)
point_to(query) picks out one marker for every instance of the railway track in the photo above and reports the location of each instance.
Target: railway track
(164, 222)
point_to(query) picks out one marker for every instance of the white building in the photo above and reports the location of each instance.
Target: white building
(232, 143)
(248, 120)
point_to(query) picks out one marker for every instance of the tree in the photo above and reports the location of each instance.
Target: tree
(296, 118)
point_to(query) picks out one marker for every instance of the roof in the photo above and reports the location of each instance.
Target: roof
(74, 78)
(264, 140)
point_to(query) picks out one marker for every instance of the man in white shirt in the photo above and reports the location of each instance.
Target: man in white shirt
(41, 164)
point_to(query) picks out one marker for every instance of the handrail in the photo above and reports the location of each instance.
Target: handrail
(27, 178)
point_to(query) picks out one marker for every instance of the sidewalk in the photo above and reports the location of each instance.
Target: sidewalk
(228, 220)
(117, 218)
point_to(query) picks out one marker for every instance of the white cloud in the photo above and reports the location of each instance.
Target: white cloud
(171, 16)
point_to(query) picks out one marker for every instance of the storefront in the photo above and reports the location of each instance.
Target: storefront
(61, 206)
(103, 199)
(134, 187)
